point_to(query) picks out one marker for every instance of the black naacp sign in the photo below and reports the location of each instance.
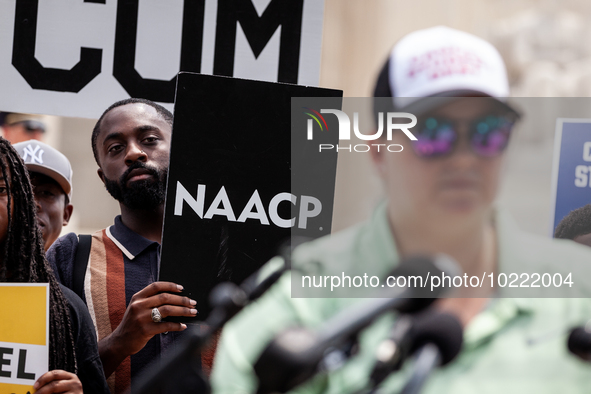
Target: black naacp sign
(232, 196)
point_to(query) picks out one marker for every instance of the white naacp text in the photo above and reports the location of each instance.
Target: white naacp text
(310, 207)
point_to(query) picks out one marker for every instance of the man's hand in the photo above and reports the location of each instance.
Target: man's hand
(58, 381)
(137, 327)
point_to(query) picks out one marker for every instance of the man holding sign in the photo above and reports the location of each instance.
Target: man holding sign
(131, 144)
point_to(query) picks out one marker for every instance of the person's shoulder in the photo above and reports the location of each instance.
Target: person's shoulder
(75, 303)
(63, 245)
(61, 255)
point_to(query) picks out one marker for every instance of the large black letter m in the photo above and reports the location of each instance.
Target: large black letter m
(258, 32)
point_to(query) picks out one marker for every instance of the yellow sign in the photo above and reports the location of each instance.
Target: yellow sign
(24, 335)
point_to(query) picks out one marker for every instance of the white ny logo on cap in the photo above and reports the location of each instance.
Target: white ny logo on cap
(35, 153)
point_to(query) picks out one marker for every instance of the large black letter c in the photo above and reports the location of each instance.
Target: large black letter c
(37, 76)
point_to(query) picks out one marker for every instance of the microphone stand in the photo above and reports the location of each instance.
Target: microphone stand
(428, 358)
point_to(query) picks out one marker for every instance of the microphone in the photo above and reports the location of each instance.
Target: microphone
(579, 342)
(438, 339)
(411, 333)
(293, 356)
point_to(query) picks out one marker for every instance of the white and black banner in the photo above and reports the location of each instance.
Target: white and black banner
(76, 57)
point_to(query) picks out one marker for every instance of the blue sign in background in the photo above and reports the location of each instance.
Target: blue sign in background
(573, 185)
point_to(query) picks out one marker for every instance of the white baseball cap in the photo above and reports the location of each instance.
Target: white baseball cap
(44, 159)
(441, 61)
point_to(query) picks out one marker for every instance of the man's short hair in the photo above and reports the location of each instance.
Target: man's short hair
(166, 114)
(576, 223)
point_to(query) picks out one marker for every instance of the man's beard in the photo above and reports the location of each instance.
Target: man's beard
(145, 194)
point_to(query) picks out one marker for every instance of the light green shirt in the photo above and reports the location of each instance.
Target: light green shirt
(513, 346)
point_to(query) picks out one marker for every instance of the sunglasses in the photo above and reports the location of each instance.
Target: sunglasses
(438, 137)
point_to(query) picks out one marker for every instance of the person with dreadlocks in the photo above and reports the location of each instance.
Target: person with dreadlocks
(73, 354)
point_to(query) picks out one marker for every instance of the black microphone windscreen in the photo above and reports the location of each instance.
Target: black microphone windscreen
(442, 329)
(415, 265)
(579, 343)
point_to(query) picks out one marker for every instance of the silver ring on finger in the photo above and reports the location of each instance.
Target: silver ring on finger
(156, 316)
